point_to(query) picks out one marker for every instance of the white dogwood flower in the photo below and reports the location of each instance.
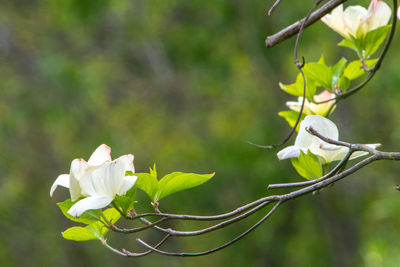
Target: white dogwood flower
(99, 180)
(306, 141)
(356, 21)
(311, 108)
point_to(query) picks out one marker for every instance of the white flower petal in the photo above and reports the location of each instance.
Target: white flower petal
(329, 147)
(353, 17)
(62, 180)
(89, 203)
(335, 21)
(106, 179)
(289, 152)
(322, 125)
(398, 13)
(78, 168)
(127, 184)
(100, 155)
(127, 161)
(379, 14)
(334, 155)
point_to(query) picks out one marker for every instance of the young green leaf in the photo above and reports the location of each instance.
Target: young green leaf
(354, 69)
(308, 165)
(344, 83)
(297, 88)
(354, 45)
(291, 117)
(88, 217)
(153, 171)
(374, 39)
(337, 72)
(148, 183)
(77, 233)
(98, 229)
(112, 215)
(127, 201)
(93, 231)
(178, 181)
(319, 72)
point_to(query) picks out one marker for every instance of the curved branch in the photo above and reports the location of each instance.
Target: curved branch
(299, 67)
(126, 253)
(183, 254)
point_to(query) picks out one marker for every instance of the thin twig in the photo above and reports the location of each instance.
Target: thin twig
(126, 253)
(223, 224)
(275, 5)
(183, 254)
(299, 67)
(138, 229)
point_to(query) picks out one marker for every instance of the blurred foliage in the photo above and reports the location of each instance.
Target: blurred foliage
(184, 84)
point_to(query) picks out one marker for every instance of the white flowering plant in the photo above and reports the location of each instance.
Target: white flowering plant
(101, 182)
(103, 190)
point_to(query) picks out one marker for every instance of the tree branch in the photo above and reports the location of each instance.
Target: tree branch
(293, 29)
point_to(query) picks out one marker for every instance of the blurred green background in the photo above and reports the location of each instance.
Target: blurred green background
(184, 84)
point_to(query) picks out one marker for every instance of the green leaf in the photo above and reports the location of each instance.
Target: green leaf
(297, 88)
(153, 171)
(308, 165)
(374, 39)
(354, 70)
(112, 215)
(178, 181)
(98, 229)
(148, 183)
(127, 201)
(319, 72)
(87, 217)
(344, 83)
(337, 72)
(291, 117)
(352, 44)
(77, 233)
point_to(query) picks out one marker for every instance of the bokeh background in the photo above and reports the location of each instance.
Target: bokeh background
(183, 84)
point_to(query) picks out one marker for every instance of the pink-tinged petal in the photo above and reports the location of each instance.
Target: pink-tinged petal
(323, 108)
(289, 152)
(398, 13)
(89, 203)
(379, 14)
(78, 168)
(100, 155)
(127, 184)
(62, 180)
